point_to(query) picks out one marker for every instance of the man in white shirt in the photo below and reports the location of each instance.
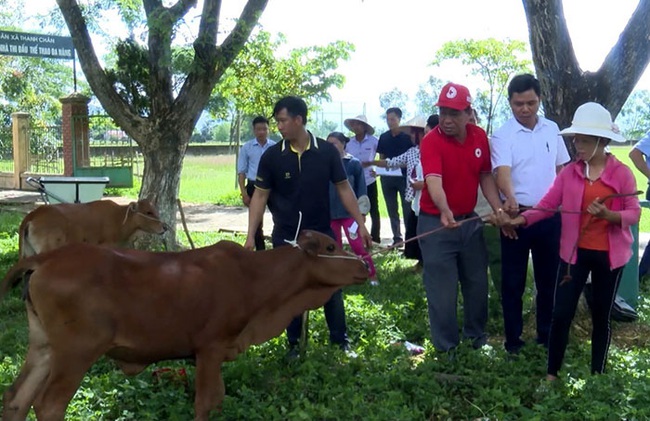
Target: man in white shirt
(247, 163)
(527, 153)
(363, 146)
(639, 156)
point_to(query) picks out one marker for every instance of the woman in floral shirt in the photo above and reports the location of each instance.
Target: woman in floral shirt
(409, 160)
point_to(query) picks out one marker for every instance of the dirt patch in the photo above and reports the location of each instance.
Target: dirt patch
(200, 217)
(206, 217)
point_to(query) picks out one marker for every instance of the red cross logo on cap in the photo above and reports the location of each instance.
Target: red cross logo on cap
(451, 92)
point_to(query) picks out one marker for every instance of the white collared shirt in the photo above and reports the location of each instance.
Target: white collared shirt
(364, 151)
(532, 156)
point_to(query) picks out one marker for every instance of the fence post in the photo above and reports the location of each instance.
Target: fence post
(74, 130)
(20, 137)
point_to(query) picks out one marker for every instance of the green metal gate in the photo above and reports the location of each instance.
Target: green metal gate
(107, 151)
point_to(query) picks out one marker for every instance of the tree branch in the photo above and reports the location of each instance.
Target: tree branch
(181, 8)
(237, 38)
(210, 61)
(151, 5)
(546, 21)
(628, 59)
(124, 115)
(161, 21)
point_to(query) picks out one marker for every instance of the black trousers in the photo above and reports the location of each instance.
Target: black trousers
(604, 284)
(334, 307)
(542, 240)
(374, 212)
(412, 249)
(259, 233)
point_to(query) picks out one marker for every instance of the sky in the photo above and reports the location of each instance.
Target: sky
(396, 41)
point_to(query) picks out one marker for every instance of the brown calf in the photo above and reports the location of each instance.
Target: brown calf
(100, 222)
(137, 307)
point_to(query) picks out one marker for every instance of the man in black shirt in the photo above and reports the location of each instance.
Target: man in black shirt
(393, 143)
(294, 176)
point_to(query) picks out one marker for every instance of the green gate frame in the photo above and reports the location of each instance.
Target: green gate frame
(119, 176)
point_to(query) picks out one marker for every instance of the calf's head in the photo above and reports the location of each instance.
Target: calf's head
(328, 264)
(144, 216)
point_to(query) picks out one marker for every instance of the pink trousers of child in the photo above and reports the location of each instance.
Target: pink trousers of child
(356, 243)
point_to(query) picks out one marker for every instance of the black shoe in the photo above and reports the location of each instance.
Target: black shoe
(542, 342)
(514, 348)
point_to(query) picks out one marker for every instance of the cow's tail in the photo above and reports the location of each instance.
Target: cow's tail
(25, 248)
(18, 272)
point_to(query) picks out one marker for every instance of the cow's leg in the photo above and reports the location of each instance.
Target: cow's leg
(66, 372)
(210, 390)
(18, 398)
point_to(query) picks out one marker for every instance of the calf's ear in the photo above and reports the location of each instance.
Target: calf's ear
(310, 244)
(133, 207)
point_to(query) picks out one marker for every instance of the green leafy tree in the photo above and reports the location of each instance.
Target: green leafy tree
(321, 127)
(634, 119)
(259, 76)
(34, 85)
(162, 126)
(565, 86)
(394, 98)
(500, 114)
(427, 96)
(494, 60)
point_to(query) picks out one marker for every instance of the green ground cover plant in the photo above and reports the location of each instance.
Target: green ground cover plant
(384, 383)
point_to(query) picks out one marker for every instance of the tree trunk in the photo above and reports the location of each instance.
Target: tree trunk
(565, 86)
(161, 177)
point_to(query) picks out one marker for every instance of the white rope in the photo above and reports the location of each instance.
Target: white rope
(590, 158)
(294, 243)
(128, 208)
(340, 257)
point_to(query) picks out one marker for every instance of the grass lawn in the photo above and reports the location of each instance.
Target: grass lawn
(6, 165)
(383, 383)
(621, 152)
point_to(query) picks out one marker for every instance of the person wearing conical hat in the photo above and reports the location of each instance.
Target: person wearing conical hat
(409, 160)
(598, 202)
(363, 146)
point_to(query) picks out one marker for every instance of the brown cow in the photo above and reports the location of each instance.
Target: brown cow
(100, 222)
(140, 307)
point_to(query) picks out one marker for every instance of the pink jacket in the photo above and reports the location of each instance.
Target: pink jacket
(567, 191)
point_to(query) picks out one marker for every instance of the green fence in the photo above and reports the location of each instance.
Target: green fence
(45, 149)
(115, 162)
(6, 149)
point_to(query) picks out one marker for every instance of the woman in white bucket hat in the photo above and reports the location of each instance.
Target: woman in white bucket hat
(597, 198)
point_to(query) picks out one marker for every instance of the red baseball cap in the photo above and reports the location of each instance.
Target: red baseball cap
(454, 96)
